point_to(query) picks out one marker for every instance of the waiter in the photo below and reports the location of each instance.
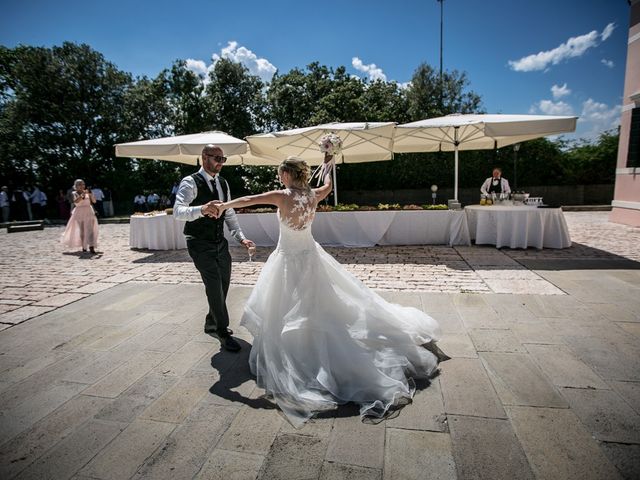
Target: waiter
(495, 184)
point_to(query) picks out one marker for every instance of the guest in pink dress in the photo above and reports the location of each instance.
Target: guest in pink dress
(82, 228)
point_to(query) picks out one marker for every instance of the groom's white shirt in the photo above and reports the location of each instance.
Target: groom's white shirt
(188, 191)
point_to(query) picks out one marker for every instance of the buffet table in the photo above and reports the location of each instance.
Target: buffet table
(350, 229)
(157, 232)
(518, 226)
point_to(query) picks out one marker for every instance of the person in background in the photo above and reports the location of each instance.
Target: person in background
(107, 202)
(82, 227)
(152, 201)
(174, 190)
(140, 203)
(20, 204)
(5, 205)
(64, 210)
(496, 183)
(38, 201)
(97, 193)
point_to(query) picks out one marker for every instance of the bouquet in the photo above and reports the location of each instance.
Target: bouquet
(331, 144)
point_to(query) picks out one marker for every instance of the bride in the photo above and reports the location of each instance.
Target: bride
(321, 337)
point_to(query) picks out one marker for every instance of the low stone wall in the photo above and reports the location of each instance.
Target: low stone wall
(554, 194)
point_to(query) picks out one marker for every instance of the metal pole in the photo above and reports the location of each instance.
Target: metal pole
(335, 185)
(455, 143)
(441, 2)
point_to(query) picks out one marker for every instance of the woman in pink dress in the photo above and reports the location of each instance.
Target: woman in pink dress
(82, 228)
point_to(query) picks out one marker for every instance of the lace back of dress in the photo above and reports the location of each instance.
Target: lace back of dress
(299, 208)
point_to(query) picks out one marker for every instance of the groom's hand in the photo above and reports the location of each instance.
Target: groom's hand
(210, 209)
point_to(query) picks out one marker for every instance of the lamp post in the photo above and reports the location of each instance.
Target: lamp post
(516, 147)
(434, 189)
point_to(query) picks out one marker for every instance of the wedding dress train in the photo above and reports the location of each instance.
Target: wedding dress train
(322, 338)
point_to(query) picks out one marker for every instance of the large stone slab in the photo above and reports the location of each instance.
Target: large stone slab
(68, 456)
(126, 375)
(23, 416)
(185, 451)
(294, 456)
(487, 448)
(425, 412)
(558, 446)
(467, 390)
(518, 381)
(563, 368)
(339, 471)
(179, 362)
(458, 345)
(605, 414)
(607, 359)
(136, 398)
(176, 404)
(413, 455)
(539, 332)
(626, 458)
(252, 431)
(356, 443)
(27, 447)
(496, 340)
(630, 391)
(126, 453)
(227, 465)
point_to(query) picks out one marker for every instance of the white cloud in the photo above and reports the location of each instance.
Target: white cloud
(574, 47)
(549, 107)
(608, 63)
(600, 114)
(197, 66)
(261, 67)
(559, 92)
(256, 66)
(372, 70)
(608, 30)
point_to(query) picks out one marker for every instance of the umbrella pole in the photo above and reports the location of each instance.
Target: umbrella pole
(455, 183)
(335, 185)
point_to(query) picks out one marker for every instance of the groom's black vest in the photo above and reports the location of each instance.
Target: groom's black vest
(207, 228)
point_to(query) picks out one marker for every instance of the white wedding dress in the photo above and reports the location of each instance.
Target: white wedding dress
(321, 337)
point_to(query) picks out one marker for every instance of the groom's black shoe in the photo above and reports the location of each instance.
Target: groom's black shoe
(215, 334)
(226, 340)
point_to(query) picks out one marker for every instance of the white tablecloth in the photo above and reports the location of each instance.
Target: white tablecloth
(518, 226)
(159, 232)
(351, 229)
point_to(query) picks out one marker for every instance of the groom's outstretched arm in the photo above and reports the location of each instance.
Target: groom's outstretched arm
(182, 209)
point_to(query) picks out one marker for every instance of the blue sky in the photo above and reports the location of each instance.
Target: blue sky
(521, 56)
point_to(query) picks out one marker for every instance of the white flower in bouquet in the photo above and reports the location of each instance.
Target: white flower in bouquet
(331, 144)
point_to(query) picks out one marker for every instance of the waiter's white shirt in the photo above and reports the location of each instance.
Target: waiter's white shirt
(487, 184)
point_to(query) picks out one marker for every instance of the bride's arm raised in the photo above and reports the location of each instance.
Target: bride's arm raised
(273, 197)
(323, 191)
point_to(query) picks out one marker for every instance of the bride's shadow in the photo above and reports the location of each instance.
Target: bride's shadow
(234, 373)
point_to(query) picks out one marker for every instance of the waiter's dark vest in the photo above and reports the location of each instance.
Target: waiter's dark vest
(207, 228)
(496, 188)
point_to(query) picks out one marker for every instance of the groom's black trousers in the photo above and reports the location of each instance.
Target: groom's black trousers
(213, 261)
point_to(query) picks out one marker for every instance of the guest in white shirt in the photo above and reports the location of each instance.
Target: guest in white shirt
(140, 203)
(99, 196)
(496, 184)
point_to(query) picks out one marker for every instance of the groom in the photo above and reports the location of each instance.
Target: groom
(209, 250)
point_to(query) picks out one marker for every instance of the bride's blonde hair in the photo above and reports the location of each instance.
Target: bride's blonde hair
(297, 169)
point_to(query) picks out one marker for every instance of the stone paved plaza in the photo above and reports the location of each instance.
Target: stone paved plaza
(105, 374)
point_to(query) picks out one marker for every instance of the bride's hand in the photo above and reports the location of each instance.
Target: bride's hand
(327, 157)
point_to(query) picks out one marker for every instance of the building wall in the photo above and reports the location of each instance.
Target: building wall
(626, 199)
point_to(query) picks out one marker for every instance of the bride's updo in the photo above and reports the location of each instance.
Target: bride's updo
(297, 169)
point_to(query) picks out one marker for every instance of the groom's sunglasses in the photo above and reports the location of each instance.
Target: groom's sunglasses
(217, 158)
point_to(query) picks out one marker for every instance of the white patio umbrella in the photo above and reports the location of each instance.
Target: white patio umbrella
(183, 148)
(476, 132)
(361, 142)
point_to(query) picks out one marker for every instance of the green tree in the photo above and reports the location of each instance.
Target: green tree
(428, 98)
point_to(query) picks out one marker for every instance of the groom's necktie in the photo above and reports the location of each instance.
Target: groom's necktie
(214, 189)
